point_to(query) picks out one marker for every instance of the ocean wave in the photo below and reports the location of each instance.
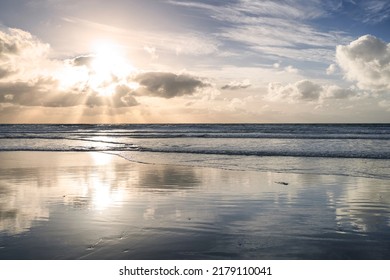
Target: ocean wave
(257, 153)
(82, 136)
(282, 140)
(265, 153)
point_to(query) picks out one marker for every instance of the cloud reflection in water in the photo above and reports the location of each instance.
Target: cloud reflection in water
(102, 206)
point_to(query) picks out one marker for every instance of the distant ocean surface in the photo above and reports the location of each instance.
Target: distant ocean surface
(342, 149)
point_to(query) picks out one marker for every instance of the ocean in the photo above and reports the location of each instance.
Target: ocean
(195, 191)
(342, 149)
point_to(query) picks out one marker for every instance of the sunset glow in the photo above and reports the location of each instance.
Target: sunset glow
(236, 61)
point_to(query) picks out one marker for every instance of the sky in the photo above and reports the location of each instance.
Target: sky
(201, 61)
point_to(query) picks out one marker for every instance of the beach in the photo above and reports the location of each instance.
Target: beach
(97, 205)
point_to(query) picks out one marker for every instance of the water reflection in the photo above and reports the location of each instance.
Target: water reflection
(27, 193)
(366, 208)
(167, 177)
(99, 206)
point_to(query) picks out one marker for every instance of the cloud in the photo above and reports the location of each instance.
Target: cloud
(288, 8)
(18, 42)
(31, 93)
(376, 10)
(45, 93)
(302, 90)
(80, 80)
(367, 62)
(291, 69)
(18, 52)
(168, 85)
(331, 69)
(370, 11)
(4, 72)
(28, 77)
(83, 60)
(122, 96)
(306, 90)
(151, 51)
(237, 85)
(76, 81)
(336, 92)
(188, 43)
(275, 29)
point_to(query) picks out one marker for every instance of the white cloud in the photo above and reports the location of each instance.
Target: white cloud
(367, 62)
(275, 28)
(288, 8)
(236, 104)
(291, 69)
(21, 54)
(308, 91)
(151, 51)
(248, 106)
(375, 11)
(302, 90)
(331, 69)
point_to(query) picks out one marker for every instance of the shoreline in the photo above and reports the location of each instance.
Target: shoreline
(161, 158)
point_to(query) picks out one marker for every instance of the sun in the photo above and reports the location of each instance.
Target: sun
(107, 68)
(109, 60)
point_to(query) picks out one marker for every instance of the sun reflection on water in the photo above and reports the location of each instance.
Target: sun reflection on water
(82, 181)
(102, 158)
(103, 196)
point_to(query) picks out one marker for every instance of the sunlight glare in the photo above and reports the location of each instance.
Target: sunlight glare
(110, 60)
(108, 69)
(101, 158)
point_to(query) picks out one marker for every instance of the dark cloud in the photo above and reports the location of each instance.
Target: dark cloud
(4, 72)
(168, 85)
(42, 93)
(25, 93)
(7, 47)
(335, 92)
(237, 85)
(84, 60)
(122, 97)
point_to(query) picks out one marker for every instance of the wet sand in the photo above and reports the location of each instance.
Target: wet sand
(63, 205)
